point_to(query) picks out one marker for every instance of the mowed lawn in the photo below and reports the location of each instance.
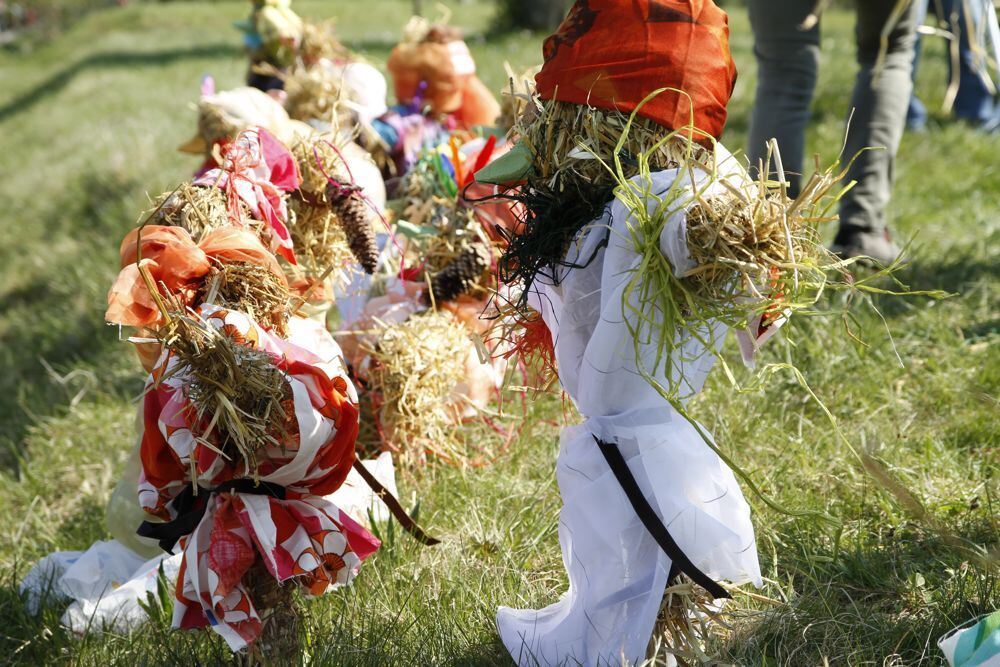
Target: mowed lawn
(88, 130)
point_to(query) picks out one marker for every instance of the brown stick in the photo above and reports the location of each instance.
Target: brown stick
(404, 519)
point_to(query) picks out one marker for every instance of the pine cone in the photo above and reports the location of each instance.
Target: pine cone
(353, 215)
(461, 274)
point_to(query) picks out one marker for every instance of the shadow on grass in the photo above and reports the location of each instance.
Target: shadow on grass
(120, 59)
(893, 595)
(54, 315)
(956, 271)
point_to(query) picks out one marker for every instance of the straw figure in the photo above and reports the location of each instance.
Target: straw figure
(641, 242)
(249, 419)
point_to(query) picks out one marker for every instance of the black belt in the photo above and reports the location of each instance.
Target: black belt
(190, 509)
(679, 562)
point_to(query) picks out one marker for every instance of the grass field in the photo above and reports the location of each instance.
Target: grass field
(88, 127)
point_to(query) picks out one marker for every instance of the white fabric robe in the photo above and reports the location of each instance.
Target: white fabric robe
(616, 570)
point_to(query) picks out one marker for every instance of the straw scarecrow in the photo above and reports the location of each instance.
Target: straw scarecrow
(309, 70)
(641, 243)
(415, 348)
(249, 419)
(273, 36)
(334, 236)
(438, 93)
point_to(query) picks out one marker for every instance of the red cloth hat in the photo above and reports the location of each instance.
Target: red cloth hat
(611, 54)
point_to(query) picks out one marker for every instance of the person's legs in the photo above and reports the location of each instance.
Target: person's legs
(787, 62)
(973, 102)
(879, 114)
(916, 113)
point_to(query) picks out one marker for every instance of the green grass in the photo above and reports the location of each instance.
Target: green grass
(88, 127)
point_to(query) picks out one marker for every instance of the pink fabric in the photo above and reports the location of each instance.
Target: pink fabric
(259, 170)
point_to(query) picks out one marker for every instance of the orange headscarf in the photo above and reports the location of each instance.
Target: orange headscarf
(176, 263)
(611, 54)
(444, 64)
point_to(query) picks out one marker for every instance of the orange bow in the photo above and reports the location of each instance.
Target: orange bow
(176, 264)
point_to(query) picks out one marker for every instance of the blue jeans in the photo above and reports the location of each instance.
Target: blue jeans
(973, 101)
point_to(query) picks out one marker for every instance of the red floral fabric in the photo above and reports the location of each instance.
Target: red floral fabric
(302, 538)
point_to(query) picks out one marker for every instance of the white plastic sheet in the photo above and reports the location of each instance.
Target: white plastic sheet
(105, 585)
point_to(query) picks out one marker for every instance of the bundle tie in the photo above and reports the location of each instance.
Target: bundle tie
(190, 511)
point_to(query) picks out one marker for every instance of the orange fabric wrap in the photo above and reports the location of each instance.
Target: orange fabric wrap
(452, 84)
(479, 107)
(611, 54)
(175, 263)
(410, 64)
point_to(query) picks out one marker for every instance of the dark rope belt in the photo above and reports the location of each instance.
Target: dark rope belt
(190, 511)
(679, 561)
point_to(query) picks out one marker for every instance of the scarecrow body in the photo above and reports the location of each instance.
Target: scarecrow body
(645, 497)
(617, 571)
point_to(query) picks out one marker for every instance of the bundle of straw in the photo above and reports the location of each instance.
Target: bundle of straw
(517, 97)
(314, 93)
(451, 244)
(318, 161)
(216, 124)
(319, 239)
(320, 42)
(249, 288)
(415, 367)
(242, 400)
(428, 194)
(199, 210)
(686, 621)
(575, 139)
(281, 622)
(317, 234)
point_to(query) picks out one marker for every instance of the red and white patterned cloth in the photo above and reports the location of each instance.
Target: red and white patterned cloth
(302, 538)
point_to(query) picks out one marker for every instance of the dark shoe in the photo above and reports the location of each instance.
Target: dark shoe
(877, 247)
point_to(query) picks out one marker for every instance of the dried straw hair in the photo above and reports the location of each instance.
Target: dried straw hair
(415, 368)
(242, 401)
(518, 95)
(576, 139)
(214, 124)
(448, 230)
(573, 146)
(743, 246)
(429, 196)
(199, 210)
(319, 41)
(315, 93)
(318, 162)
(251, 289)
